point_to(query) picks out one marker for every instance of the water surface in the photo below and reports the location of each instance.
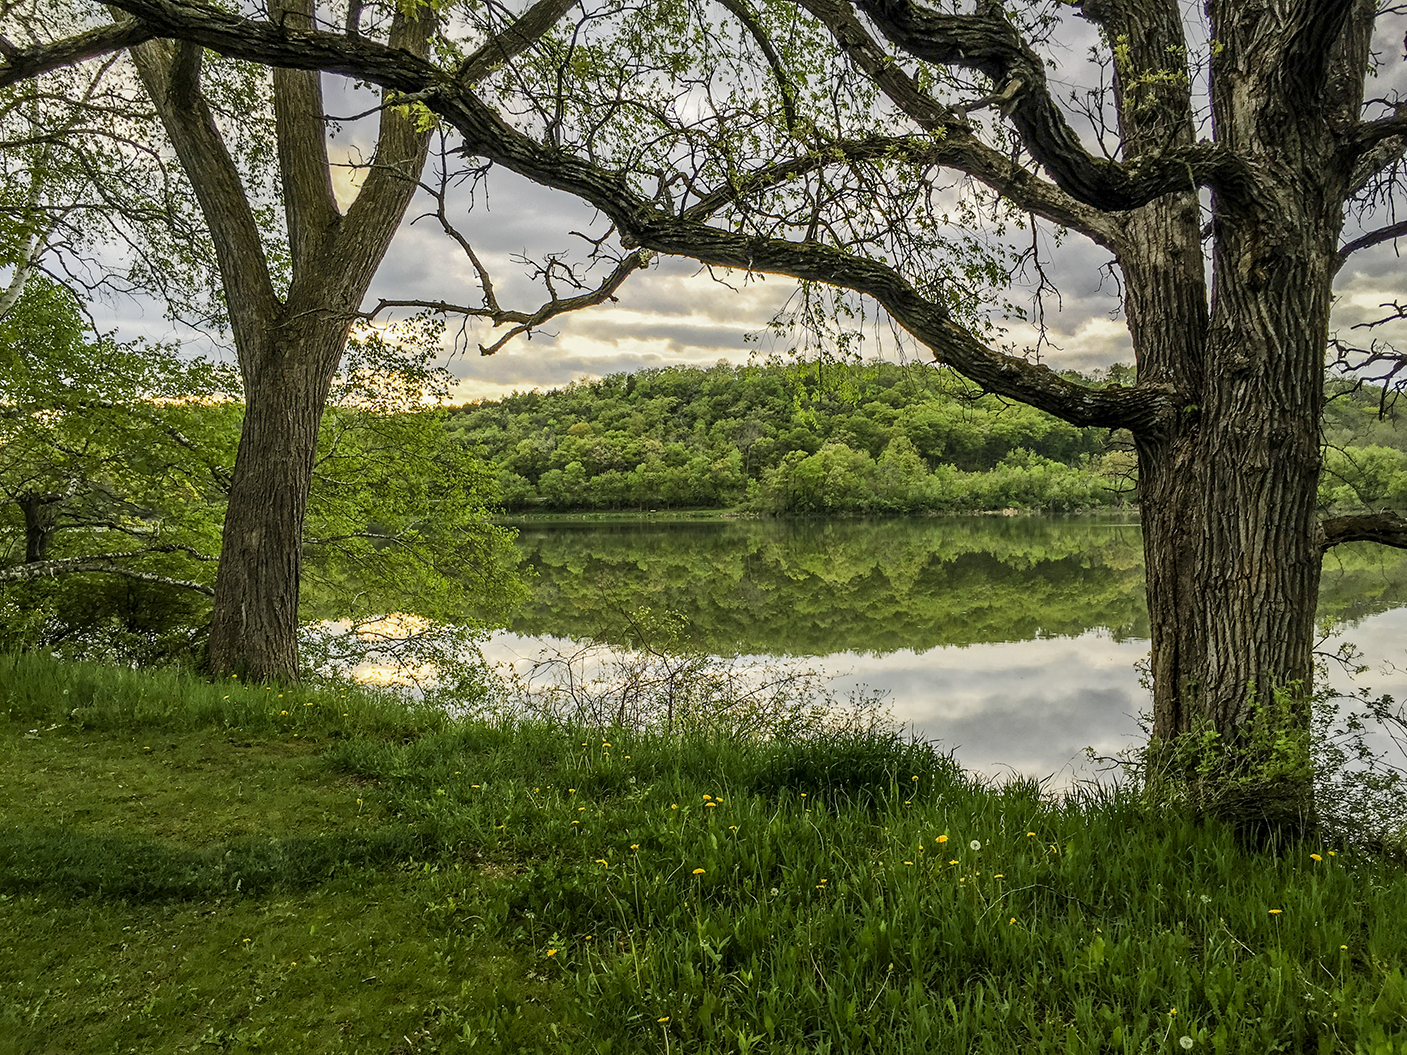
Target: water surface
(1014, 640)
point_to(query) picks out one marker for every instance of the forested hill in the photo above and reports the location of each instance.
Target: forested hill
(873, 438)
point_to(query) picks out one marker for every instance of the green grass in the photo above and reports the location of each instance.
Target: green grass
(185, 867)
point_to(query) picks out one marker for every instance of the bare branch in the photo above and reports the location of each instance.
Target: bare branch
(526, 322)
(1372, 238)
(1367, 135)
(745, 15)
(526, 31)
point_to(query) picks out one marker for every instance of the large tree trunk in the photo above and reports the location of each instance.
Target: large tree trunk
(288, 349)
(1228, 492)
(254, 623)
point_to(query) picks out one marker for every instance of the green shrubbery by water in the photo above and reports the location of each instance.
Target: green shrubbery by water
(815, 439)
(789, 439)
(190, 866)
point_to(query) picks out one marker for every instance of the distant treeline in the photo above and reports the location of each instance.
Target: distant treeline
(789, 439)
(871, 438)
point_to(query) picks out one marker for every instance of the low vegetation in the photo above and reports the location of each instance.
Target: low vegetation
(196, 866)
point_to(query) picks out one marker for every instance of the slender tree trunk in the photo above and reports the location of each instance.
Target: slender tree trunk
(41, 515)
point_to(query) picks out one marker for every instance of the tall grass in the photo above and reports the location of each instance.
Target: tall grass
(839, 890)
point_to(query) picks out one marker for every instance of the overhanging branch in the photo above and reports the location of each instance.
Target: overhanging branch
(642, 223)
(1372, 238)
(19, 64)
(1387, 529)
(988, 43)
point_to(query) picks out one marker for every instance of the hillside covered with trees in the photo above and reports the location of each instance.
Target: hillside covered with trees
(840, 438)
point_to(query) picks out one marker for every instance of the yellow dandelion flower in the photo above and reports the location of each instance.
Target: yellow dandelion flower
(1276, 911)
(699, 871)
(952, 862)
(551, 952)
(663, 1020)
(913, 778)
(1030, 835)
(708, 798)
(1333, 853)
(674, 805)
(282, 712)
(908, 862)
(941, 839)
(1315, 857)
(999, 875)
(576, 822)
(1343, 947)
(602, 861)
(1011, 921)
(710, 805)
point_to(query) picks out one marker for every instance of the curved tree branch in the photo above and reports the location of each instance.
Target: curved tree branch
(525, 322)
(1372, 238)
(642, 223)
(744, 14)
(1388, 529)
(965, 151)
(19, 64)
(988, 43)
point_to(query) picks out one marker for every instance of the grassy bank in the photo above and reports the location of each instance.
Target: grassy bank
(196, 867)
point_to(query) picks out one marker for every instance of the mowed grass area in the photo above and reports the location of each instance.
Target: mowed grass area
(187, 866)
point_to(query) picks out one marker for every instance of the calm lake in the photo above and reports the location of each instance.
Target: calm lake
(1013, 640)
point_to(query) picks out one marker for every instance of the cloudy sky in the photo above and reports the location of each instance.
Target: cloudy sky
(672, 313)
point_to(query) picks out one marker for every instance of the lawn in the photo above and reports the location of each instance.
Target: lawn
(196, 866)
